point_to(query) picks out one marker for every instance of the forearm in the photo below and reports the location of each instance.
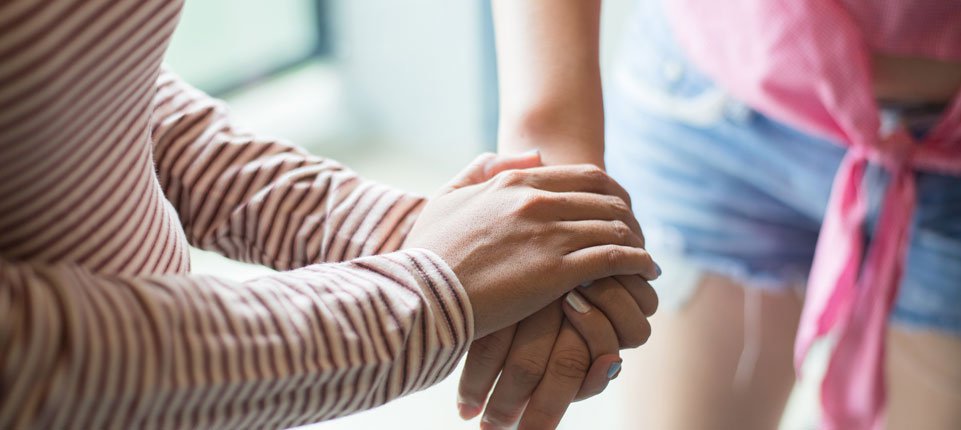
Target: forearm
(261, 199)
(549, 74)
(84, 350)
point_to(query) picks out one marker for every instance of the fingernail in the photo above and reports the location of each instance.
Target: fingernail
(614, 370)
(531, 153)
(658, 267)
(586, 284)
(467, 411)
(577, 302)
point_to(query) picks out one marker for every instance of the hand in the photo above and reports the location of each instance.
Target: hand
(526, 237)
(545, 362)
(487, 355)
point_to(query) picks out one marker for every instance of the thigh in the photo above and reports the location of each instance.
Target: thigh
(722, 361)
(923, 379)
(924, 342)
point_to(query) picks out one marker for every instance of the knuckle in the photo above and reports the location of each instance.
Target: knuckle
(569, 364)
(592, 171)
(620, 206)
(636, 337)
(510, 178)
(487, 351)
(621, 231)
(532, 202)
(525, 371)
(613, 257)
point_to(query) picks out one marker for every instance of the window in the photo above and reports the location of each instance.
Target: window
(221, 45)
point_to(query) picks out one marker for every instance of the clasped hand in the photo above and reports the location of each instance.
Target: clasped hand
(559, 227)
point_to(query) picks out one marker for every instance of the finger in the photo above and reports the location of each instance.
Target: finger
(580, 177)
(487, 165)
(525, 365)
(472, 174)
(504, 162)
(603, 261)
(602, 341)
(484, 362)
(585, 234)
(587, 206)
(592, 325)
(644, 294)
(566, 370)
(619, 307)
(603, 370)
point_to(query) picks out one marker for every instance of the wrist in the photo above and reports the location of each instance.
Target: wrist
(562, 137)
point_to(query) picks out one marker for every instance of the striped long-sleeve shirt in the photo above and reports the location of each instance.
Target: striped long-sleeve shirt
(109, 166)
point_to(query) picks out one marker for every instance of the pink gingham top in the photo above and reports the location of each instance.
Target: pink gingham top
(807, 63)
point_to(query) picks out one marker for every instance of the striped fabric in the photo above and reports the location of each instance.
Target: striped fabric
(110, 166)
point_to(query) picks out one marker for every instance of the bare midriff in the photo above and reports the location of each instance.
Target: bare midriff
(915, 80)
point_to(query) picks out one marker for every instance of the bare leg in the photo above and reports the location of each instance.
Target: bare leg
(924, 380)
(687, 376)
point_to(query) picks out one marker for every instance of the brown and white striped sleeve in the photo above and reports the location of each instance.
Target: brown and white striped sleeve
(101, 326)
(85, 350)
(262, 200)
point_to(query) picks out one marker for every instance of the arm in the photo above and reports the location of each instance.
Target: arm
(262, 200)
(550, 82)
(86, 350)
(93, 350)
(551, 100)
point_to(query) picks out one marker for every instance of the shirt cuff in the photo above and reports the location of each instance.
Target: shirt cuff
(444, 294)
(429, 285)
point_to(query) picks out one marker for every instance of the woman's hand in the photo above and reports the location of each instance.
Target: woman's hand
(545, 363)
(523, 239)
(549, 357)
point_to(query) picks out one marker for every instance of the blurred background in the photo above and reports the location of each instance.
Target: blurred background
(404, 92)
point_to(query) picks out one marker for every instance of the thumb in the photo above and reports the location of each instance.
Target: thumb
(488, 165)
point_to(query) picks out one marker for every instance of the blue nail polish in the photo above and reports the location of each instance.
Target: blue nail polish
(614, 370)
(658, 267)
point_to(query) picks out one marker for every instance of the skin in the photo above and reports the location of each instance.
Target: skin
(570, 367)
(524, 238)
(547, 348)
(551, 100)
(546, 357)
(678, 388)
(896, 79)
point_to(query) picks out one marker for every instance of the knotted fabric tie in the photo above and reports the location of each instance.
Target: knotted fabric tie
(852, 289)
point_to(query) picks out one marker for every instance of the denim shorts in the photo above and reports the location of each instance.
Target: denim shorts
(719, 187)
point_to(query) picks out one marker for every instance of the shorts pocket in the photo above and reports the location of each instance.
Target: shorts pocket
(653, 75)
